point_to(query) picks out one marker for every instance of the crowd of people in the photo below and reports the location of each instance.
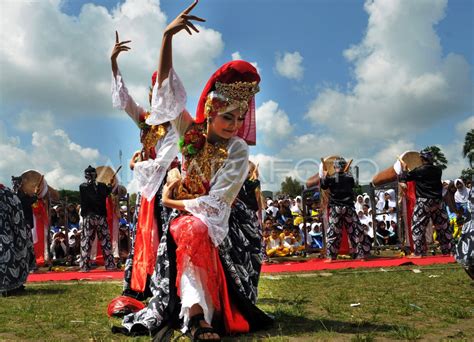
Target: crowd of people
(66, 227)
(286, 225)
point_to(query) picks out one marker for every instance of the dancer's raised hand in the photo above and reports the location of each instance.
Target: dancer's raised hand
(118, 48)
(183, 21)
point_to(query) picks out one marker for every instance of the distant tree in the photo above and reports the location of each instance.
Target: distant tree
(467, 175)
(468, 147)
(71, 195)
(291, 187)
(438, 156)
(358, 190)
(133, 199)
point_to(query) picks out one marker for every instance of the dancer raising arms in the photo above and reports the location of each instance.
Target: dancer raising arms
(150, 166)
(213, 235)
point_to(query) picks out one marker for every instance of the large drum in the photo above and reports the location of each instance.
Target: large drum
(328, 164)
(105, 174)
(390, 174)
(30, 180)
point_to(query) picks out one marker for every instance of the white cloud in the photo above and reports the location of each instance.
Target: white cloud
(387, 156)
(289, 65)
(51, 152)
(29, 121)
(236, 55)
(456, 162)
(273, 122)
(403, 81)
(464, 126)
(61, 63)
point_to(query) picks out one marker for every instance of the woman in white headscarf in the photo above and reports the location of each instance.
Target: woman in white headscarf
(461, 197)
(359, 204)
(367, 200)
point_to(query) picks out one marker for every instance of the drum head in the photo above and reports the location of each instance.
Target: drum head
(412, 159)
(329, 164)
(30, 180)
(104, 174)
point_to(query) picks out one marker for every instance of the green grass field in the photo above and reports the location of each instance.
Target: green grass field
(395, 304)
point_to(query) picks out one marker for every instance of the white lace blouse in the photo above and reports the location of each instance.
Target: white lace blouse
(168, 104)
(149, 174)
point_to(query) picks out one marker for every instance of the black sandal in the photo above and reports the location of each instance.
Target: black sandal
(194, 323)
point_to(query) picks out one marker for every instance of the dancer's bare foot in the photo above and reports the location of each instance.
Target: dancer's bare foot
(329, 260)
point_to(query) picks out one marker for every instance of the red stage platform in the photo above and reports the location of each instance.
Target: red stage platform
(300, 266)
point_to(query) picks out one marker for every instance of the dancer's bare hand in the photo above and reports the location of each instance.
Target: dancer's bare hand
(137, 157)
(183, 22)
(168, 190)
(119, 47)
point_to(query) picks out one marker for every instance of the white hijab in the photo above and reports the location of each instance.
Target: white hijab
(359, 206)
(461, 195)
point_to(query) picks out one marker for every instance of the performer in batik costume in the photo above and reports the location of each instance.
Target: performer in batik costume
(429, 205)
(93, 210)
(342, 213)
(14, 244)
(160, 148)
(210, 251)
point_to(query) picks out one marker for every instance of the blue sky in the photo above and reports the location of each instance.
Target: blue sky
(407, 85)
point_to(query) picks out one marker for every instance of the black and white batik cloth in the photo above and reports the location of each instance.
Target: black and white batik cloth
(127, 275)
(96, 224)
(345, 216)
(465, 246)
(426, 209)
(241, 257)
(14, 242)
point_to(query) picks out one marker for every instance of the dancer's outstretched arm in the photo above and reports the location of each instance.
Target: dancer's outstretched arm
(118, 47)
(181, 22)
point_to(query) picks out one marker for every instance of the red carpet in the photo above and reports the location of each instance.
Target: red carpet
(302, 266)
(319, 264)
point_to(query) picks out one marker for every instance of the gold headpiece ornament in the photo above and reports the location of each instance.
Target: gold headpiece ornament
(238, 91)
(230, 96)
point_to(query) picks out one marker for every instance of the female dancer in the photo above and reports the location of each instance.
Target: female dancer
(210, 252)
(150, 166)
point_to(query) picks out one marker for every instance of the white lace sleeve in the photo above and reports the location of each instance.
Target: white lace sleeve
(121, 99)
(214, 209)
(149, 174)
(168, 104)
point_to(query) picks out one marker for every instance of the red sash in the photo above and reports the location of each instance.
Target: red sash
(41, 225)
(146, 245)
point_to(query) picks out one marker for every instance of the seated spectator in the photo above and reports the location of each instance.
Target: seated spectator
(298, 205)
(461, 197)
(72, 216)
(367, 200)
(274, 245)
(359, 203)
(58, 247)
(366, 209)
(284, 212)
(298, 245)
(316, 235)
(287, 238)
(393, 229)
(272, 209)
(382, 234)
(74, 239)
